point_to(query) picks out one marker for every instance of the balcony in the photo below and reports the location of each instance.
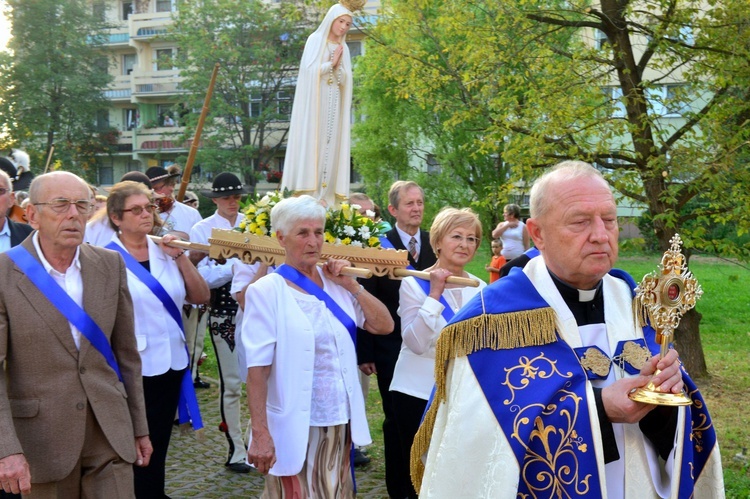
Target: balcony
(164, 139)
(119, 38)
(156, 84)
(148, 25)
(120, 89)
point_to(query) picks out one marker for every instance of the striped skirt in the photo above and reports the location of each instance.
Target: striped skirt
(327, 470)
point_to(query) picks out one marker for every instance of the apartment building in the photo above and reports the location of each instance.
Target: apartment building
(145, 94)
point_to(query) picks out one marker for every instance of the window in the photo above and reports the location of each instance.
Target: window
(164, 59)
(256, 104)
(355, 49)
(285, 104)
(166, 115)
(601, 39)
(614, 96)
(432, 164)
(106, 174)
(126, 10)
(163, 5)
(130, 118)
(677, 100)
(102, 119)
(128, 63)
(99, 11)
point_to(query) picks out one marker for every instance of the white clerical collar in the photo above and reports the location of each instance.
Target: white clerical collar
(587, 294)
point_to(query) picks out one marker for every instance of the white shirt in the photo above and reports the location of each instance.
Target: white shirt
(421, 322)
(161, 342)
(330, 404)
(181, 217)
(98, 231)
(513, 241)
(71, 282)
(276, 333)
(5, 237)
(215, 274)
(406, 238)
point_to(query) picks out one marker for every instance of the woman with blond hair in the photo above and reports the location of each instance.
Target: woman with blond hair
(425, 307)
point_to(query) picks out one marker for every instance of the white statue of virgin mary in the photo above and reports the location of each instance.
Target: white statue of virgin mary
(317, 153)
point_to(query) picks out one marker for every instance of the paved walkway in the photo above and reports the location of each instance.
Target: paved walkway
(195, 468)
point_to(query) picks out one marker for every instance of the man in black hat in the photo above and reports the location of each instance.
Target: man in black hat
(177, 217)
(23, 176)
(226, 193)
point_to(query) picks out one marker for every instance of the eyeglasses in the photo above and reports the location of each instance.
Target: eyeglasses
(63, 205)
(4, 191)
(137, 210)
(470, 240)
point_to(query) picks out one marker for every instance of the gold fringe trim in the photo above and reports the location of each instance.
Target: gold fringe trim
(640, 312)
(497, 332)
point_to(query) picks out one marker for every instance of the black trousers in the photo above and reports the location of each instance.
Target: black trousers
(408, 411)
(397, 478)
(161, 394)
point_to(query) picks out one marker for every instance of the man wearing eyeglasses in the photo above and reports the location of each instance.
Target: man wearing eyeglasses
(72, 416)
(11, 233)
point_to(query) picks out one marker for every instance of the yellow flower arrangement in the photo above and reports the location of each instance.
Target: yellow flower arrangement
(347, 227)
(258, 214)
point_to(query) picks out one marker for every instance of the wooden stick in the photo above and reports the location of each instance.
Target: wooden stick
(187, 245)
(419, 274)
(49, 157)
(197, 137)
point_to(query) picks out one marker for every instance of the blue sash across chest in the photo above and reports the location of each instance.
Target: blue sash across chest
(447, 312)
(64, 304)
(188, 408)
(294, 276)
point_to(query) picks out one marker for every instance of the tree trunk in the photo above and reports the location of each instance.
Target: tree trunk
(687, 342)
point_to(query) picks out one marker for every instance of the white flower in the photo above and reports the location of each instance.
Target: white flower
(358, 244)
(370, 213)
(356, 207)
(264, 229)
(337, 242)
(364, 232)
(349, 230)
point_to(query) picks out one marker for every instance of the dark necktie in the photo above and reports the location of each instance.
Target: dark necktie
(413, 249)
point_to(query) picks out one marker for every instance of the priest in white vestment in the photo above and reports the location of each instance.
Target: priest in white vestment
(520, 407)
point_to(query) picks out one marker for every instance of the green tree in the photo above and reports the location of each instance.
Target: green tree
(52, 80)
(258, 47)
(654, 92)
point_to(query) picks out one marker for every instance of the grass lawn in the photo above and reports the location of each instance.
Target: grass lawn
(725, 333)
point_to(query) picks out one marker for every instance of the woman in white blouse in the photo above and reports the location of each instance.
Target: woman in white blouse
(160, 339)
(306, 407)
(425, 308)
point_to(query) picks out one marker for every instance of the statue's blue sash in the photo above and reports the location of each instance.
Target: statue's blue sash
(447, 312)
(64, 304)
(305, 283)
(540, 403)
(187, 408)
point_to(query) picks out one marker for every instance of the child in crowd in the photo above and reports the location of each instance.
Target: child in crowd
(498, 260)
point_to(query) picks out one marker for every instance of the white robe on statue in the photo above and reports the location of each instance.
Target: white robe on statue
(317, 158)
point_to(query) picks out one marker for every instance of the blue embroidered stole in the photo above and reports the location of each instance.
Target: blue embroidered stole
(188, 408)
(538, 396)
(64, 304)
(294, 276)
